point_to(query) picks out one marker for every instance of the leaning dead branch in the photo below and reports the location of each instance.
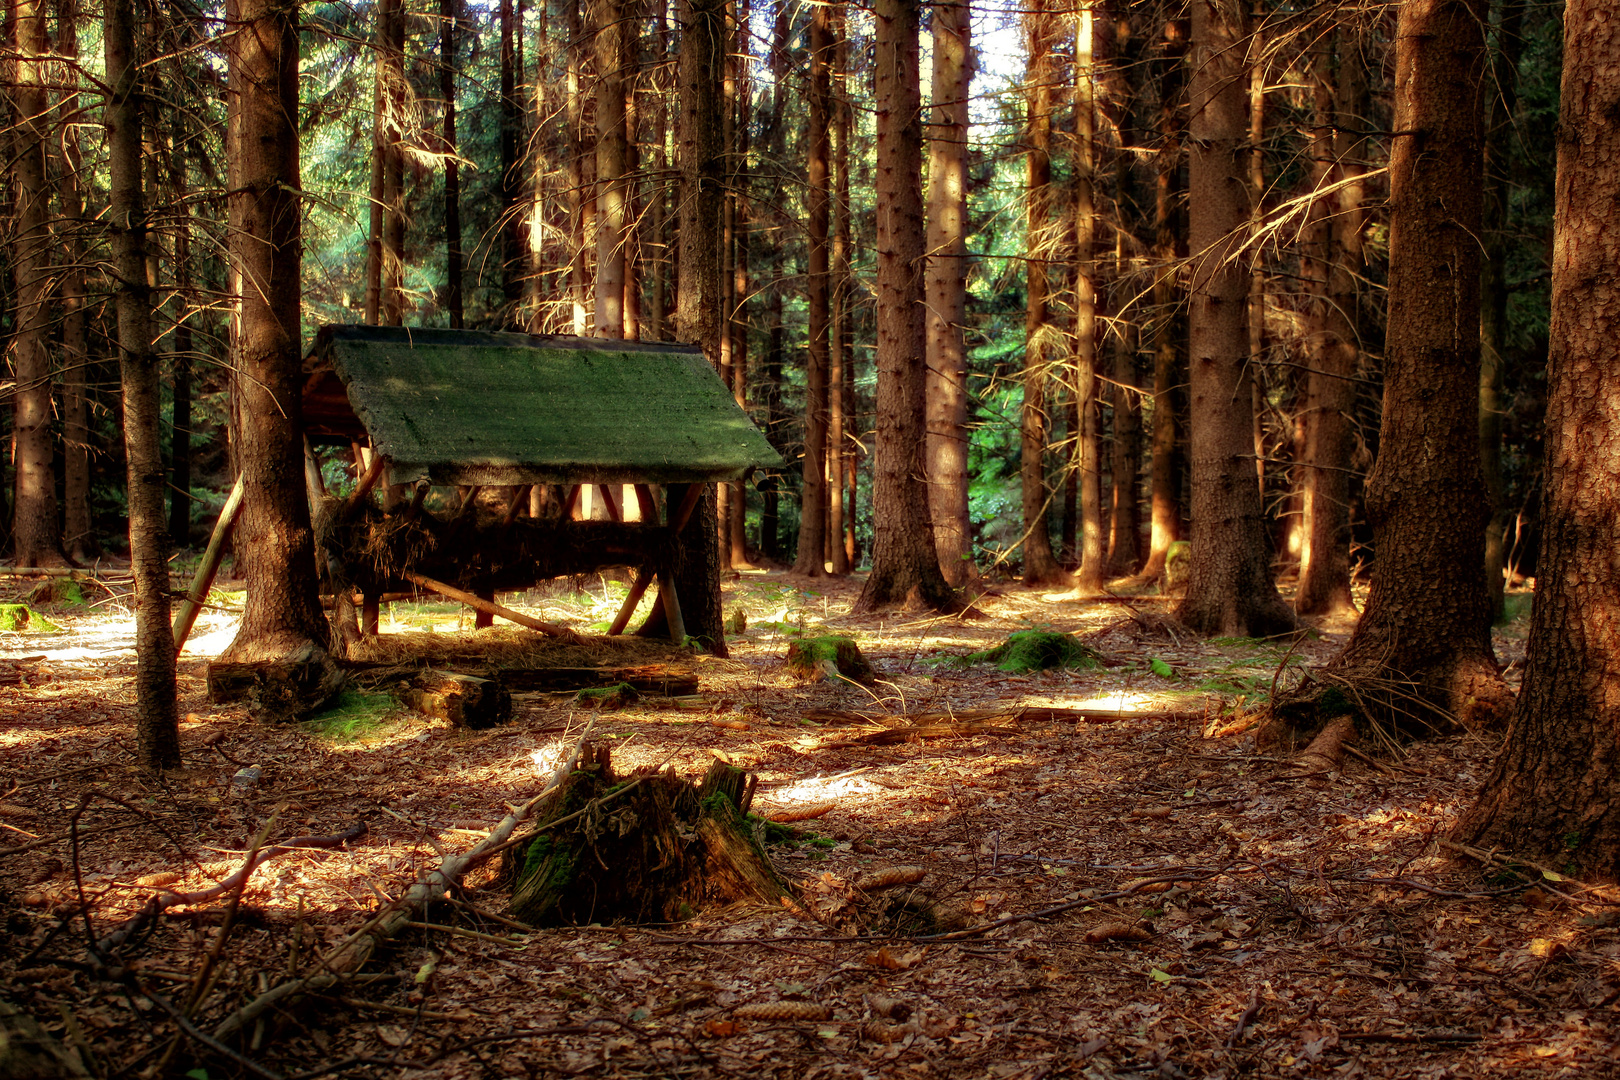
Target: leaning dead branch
(349, 956)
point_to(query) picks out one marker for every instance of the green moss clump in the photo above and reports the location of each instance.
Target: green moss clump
(1038, 650)
(20, 618)
(616, 696)
(830, 657)
(353, 716)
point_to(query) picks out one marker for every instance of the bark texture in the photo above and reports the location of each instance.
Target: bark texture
(947, 295)
(282, 616)
(611, 155)
(905, 565)
(1427, 620)
(157, 723)
(76, 529)
(1229, 589)
(1552, 792)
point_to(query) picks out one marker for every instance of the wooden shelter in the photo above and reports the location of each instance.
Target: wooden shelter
(482, 411)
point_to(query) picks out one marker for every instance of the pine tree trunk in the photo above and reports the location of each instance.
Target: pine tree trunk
(841, 359)
(1550, 795)
(181, 360)
(611, 183)
(282, 616)
(1164, 497)
(1324, 574)
(947, 294)
(1041, 229)
(513, 245)
(452, 169)
(1121, 70)
(811, 558)
(580, 199)
(1501, 130)
(1427, 620)
(1229, 589)
(76, 527)
(1093, 554)
(905, 563)
(36, 534)
(157, 716)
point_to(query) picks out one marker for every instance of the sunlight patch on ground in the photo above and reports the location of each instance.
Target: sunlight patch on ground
(821, 788)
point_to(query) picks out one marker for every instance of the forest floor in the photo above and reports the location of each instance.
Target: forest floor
(1219, 915)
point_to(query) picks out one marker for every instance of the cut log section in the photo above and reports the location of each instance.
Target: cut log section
(276, 690)
(467, 701)
(646, 848)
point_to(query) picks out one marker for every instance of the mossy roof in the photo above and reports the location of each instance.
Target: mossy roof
(469, 407)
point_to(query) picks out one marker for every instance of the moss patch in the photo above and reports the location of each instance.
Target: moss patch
(616, 696)
(1038, 650)
(20, 618)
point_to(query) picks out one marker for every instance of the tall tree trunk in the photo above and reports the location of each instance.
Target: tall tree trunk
(157, 714)
(1229, 588)
(734, 529)
(1121, 70)
(1042, 226)
(611, 181)
(811, 558)
(905, 564)
(1427, 620)
(697, 315)
(841, 360)
(1324, 573)
(282, 616)
(36, 534)
(947, 294)
(513, 242)
(181, 361)
(452, 168)
(1092, 552)
(1165, 500)
(76, 526)
(396, 95)
(582, 202)
(380, 142)
(1501, 129)
(1551, 793)
(1256, 162)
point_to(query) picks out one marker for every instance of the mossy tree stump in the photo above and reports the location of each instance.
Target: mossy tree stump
(649, 847)
(1038, 650)
(828, 657)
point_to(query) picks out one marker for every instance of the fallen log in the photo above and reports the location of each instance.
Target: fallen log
(647, 678)
(276, 690)
(1033, 714)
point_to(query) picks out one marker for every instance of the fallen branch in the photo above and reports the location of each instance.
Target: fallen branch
(890, 736)
(345, 960)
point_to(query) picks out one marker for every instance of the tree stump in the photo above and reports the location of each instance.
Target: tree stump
(649, 847)
(829, 657)
(467, 701)
(277, 690)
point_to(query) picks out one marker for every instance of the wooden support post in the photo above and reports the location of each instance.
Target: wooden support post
(312, 476)
(482, 617)
(610, 502)
(186, 616)
(689, 502)
(370, 614)
(672, 606)
(373, 473)
(469, 496)
(418, 492)
(494, 609)
(638, 589)
(571, 501)
(520, 496)
(648, 503)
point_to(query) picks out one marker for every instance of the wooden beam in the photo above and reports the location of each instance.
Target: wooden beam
(368, 481)
(689, 502)
(370, 614)
(648, 503)
(638, 589)
(519, 496)
(672, 606)
(493, 608)
(610, 502)
(186, 616)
